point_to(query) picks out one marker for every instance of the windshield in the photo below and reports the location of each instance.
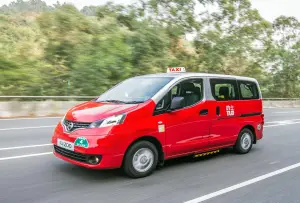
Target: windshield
(135, 90)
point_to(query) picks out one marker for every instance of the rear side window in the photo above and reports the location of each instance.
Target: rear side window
(224, 89)
(248, 90)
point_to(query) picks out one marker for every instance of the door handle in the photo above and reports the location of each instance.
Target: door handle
(218, 111)
(204, 112)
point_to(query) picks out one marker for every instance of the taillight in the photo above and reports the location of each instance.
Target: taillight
(262, 119)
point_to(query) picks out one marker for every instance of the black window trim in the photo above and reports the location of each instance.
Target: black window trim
(162, 111)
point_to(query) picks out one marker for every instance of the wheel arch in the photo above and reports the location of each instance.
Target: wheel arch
(250, 127)
(155, 142)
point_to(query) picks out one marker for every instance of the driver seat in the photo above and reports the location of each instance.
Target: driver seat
(189, 94)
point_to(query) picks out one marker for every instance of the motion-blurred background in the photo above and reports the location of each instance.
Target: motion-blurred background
(60, 50)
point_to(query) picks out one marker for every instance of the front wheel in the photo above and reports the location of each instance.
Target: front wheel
(140, 160)
(244, 142)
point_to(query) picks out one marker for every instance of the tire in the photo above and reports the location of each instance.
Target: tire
(145, 155)
(244, 142)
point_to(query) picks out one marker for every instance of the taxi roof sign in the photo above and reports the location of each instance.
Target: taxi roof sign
(176, 70)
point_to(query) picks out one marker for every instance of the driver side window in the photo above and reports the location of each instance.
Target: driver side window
(165, 103)
(190, 90)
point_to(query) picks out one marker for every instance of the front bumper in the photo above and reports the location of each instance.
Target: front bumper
(107, 161)
(76, 156)
(99, 145)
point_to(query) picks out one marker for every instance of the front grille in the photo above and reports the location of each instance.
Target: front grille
(73, 155)
(71, 125)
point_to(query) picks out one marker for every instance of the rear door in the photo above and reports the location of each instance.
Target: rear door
(225, 127)
(249, 96)
(251, 110)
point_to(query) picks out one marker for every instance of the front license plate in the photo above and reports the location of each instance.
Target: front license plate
(65, 144)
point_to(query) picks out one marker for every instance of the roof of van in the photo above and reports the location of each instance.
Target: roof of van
(190, 74)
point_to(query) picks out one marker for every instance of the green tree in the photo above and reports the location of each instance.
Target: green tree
(89, 10)
(59, 50)
(88, 54)
(284, 57)
(25, 6)
(19, 56)
(233, 39)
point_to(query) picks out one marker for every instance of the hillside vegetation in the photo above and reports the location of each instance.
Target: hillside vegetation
(60, 50)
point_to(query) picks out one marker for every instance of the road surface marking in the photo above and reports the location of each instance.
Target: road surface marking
(243, 184)
(283, 121)
(287, 112)
(274, 162)
(22, 147)
(281, 124)
(25, 156)
(24, 128)
(11, 119)
(42, 145)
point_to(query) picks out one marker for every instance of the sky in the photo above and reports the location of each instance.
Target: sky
(269, 9)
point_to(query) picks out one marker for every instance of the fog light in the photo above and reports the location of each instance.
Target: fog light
(93, 160)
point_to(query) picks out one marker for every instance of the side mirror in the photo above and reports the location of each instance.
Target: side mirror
(177, 103)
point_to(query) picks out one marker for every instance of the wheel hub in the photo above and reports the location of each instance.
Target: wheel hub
(143, 160)
(246, 141)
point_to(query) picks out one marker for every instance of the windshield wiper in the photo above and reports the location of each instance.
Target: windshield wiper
(134, 102)
(121, 102)
(113, 101)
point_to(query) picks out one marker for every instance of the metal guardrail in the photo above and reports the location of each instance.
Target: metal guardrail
(43, 98)
(93, 97)
(280, 99)
(49, 97)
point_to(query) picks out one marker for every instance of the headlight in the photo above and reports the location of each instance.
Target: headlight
(110, 121)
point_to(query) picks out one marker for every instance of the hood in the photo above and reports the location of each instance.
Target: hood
(92, 111)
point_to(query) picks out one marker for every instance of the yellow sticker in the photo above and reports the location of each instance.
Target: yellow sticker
(207, 153)
(161, 128)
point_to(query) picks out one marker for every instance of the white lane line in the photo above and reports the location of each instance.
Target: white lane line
(243, 184)
(11, 119)
(52, 126)
(24, 128)
(42, 145)
(287, 112)
(28, 146)
(283, 121)
(25, 156)
(281, 124)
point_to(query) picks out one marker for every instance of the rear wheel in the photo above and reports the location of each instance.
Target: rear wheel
(244, 142)
(140, 160)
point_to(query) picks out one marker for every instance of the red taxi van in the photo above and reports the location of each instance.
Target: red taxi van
(145, 120)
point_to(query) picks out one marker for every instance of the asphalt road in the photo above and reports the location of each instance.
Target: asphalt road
(30, 173)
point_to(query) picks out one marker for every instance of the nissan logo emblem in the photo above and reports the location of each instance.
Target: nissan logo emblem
(69, 126)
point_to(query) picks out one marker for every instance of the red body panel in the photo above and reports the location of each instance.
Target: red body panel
(226, 126)
(186, 131)
(93, 111)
